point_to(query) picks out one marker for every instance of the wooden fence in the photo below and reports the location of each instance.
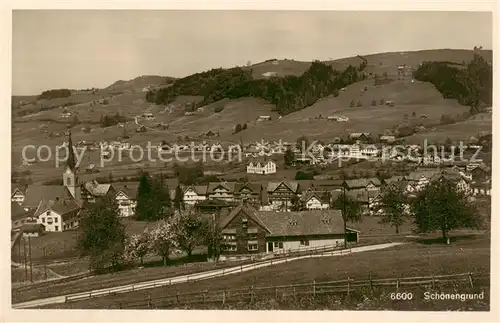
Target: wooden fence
(276, 259)
(251, 293)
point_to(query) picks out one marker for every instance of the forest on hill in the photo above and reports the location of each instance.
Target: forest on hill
(289, 94)
(470, 83)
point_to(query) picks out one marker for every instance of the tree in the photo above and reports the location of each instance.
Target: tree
(244, 127)
(374, 103)
(352, 104)
(289, 157)
(442, 206)
(413, 114)
(297, 204)
(188, 230)
(103, 235)
(351, 210)
(359, 104)
(393, 205)
(213, 238)
(160, 201)
(237, 128)
(163, 239)
(179, 199)
(143, 197)
(302, 141)
(300, 175)
(138, 246)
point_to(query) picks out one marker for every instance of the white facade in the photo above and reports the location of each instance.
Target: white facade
(303, 244)
(125, 204)
(51, 220)
(222, 194)
(17, 197)
(315, 204)
(191, 197)
(263, 168)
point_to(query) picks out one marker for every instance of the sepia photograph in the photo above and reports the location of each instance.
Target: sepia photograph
(251, 160)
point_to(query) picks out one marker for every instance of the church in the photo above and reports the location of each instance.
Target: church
(56, 207)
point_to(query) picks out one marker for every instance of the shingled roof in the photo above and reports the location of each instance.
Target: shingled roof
(212, 186)
(304, 223)
(247, 210)
(60, 207)
(198, 189)
(273, 185)
(96, 189)
(362, 182)
(128, 188)
(37, 193)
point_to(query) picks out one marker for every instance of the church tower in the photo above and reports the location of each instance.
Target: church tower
(70, 179)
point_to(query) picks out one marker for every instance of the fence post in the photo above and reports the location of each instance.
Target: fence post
(223, 297)
(348, 286)
(150, 304)
(294, 293)
(397, 283)
(241, 268)
(276, 292)
(314, 288)
(371, 282)
(120, 306)
(177, 296)
(470, 280)
(133, 286)
(90, 295)
(170, 281)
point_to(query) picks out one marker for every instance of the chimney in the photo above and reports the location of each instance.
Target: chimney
(57, 198)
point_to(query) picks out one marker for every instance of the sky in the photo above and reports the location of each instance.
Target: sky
(79, 49)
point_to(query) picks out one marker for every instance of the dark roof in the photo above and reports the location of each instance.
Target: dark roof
(247, 210)
(128, 188)
(198, 189)
(229, 186)
(322, 196)
(61, 207)
(22, 189)
(254, 187)
(273, 185)
(96, 189)
(302, 223)
(37, 193)
(362, 196)
(362, 182)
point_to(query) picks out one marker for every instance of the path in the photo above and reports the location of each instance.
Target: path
(187, 278)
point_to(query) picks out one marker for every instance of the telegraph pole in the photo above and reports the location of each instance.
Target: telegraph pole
(344, 215)
(25, 260)
(31, 263)
(44, 264)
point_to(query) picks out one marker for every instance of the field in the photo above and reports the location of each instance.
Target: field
(128, 99)
(422, 258)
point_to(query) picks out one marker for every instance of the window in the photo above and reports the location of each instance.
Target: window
(55, 220)
(49, 220)
(229, 237)
(244, 223)
(48, 212)
(43, 220)
(57, 228)
(230, 246)
(253, 246)
(304, 242)
(278, 245)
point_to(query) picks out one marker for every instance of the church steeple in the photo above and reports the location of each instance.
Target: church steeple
(70, 161)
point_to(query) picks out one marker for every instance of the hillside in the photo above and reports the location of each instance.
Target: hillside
(414, 103)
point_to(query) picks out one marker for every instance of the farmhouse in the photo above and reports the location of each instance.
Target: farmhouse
(126, 197)
(361, 136)
(148, 116)
(221, 191)
(32, 229)
(315, 200)
(247, 231)
(19, 216)
(261, 166)
(194, 194)
(279, 195)
(58, 215)
(92, 190)
(387, 139)
(264, 118)
(363, 184)
(248, 192)
(18, 195)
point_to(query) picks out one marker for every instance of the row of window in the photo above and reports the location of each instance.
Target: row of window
(50, 220)
(232, 246)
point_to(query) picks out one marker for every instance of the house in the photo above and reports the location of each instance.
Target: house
(280, 194)
(141, 129)
(363, 184)
(148, 116)
(18, 195)
(194, 194)
(223, 191)
(361, 136)
(368, 200)
(314, 200)
(261, 166)
(32, 230)
(263, 118)
(387, 139)
(37, 193)
(369, 151)
(248, 192)
(419, 179)
(125, 195)
(483, 189)
(58, 215)
(481, 173)
(92, 190)
(247, 231)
